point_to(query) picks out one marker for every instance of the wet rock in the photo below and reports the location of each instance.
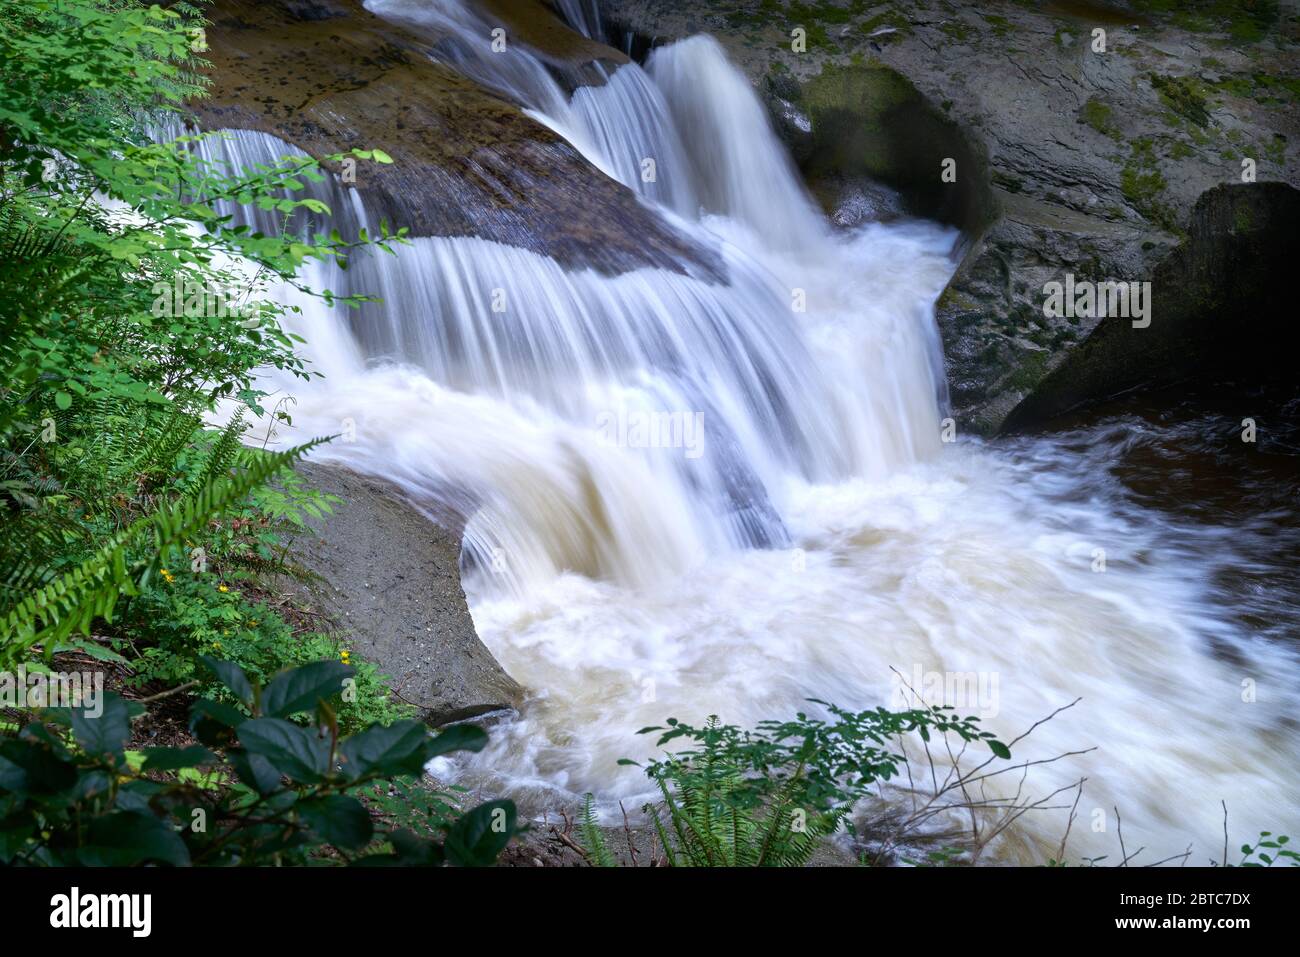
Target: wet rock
(388, 575)
(1068, 160)
(329, 76)
(861, 201)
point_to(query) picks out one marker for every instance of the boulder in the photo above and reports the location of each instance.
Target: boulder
(328, 76)
(388, 575)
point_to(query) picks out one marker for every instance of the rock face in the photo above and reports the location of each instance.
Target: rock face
(390, 578)
(328, 76)
(1119, 160)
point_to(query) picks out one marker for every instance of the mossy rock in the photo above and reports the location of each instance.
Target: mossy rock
(869, 120)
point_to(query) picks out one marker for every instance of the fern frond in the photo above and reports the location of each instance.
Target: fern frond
(670, 855)
(161, 444)
(592, 839)
(72, 601)
(221, 457)
(31, 543)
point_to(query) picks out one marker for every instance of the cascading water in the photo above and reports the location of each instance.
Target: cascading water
(687, 497)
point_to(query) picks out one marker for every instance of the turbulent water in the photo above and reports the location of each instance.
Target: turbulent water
(687, 498)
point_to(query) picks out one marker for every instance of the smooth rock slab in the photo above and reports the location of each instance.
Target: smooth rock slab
(389, 577)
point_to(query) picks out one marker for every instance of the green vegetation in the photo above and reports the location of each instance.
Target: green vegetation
(1001, 25)
(130, 533)
(259, 788)
(769, 797)
(127, 529)
(1245, 21)
(1263, 88)
(956, 29)
(1143, 184)
(773, 796)
(1100, 117)
(1185, 96)
(1269, 849)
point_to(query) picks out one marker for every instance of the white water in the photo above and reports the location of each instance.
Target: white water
(819, 534)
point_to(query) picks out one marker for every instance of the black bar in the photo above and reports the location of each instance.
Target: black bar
(329, 905)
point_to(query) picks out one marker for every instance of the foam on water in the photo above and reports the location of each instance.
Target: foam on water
(820, 535)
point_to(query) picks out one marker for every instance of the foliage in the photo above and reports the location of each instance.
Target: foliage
(271, 790)
(1268, 850)
(167, 628)
(738, 798)
(119, 256)
(105, 472)
(91, 590)
(591, 838)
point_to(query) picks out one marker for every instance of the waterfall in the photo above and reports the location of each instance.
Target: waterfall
(686, 496)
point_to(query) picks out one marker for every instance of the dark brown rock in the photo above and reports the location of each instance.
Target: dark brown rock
(328, 76)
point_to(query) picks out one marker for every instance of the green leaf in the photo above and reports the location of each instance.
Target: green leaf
(104, 734)
(400, 748)
(97, 651)
(476, 839)
(1000, 749)
(458, 737)
(123, 838)
(173, 759)
(27, 768)
(298, 752)
(232, 676)
(298, 690)
(63, 401)
(225, 715)
(254, 770)
(338, 820)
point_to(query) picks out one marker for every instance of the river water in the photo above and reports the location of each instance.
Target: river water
(687, 497)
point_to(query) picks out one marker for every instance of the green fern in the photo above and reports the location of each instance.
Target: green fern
(76, 598)
(160, 445)
(707, 830)
(591, 837)
(221, 457)
(771, 796)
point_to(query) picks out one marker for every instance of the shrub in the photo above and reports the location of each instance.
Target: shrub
(738, 798)
(259, 788)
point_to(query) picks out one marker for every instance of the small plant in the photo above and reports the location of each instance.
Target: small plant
(767, 797)
(1100, 117)
(591, 838)
(1269, 850)
(259, 788)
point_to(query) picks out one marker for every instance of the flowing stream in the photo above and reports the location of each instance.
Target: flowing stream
(688, 497)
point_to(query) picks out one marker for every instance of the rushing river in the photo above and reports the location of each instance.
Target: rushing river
(687, 497)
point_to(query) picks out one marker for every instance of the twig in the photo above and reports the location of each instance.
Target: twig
(167, 694)
(1225, 832)
(627, 830)
(1060, 854)
(571, 843)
